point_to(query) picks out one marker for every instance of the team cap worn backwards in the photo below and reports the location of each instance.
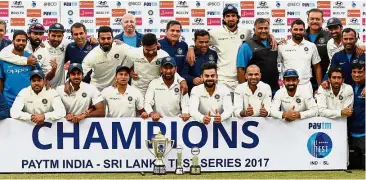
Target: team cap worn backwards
(168, 60)
(37, 73)
(290, 73)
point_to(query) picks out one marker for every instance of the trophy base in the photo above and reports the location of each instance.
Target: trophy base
(159, 170)
(179, 171)
(195, 170)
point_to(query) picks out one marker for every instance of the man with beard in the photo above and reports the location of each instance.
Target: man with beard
(35, 103)
(129, 35)
(226, 40)
(346, 57)
(210, 101)
(77, 50)
(294, 102)
(252, 98)
(34, 46)
(51, 57)
(258, 51)
(3, 42)
(335, 45)
(15, 77)
(85, 101)
(336, 101)
(203, 54)
(146, 62)
(356, 123)
(157, 105)
(123, 93)
(104, 59)
(300, 54)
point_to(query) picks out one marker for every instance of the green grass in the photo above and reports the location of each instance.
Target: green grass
(356, 174)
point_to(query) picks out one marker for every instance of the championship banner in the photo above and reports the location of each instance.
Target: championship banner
(119, 145)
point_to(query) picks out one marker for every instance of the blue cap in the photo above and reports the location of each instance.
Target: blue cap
(290, 73)
(334, 22)
(168, 60)
(56, 27)
(75, 66)
(230, 8)
(38, 73)
(121, 67)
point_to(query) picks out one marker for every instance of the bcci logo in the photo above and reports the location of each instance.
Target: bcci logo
(319, 145)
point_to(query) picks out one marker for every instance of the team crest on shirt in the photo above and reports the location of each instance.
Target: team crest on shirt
(210, 57)
(176, 90)
(157, 62)
(62, 49)
(179, 51)
(298, 100)
(116, 56)
(217, 96)
(340, 97)
(130, 98)
(84, 94)
(242, 36)
(306, 48)
(321, 40)
(44, 101)
(89, 48)
(39, 57)
(260, 94)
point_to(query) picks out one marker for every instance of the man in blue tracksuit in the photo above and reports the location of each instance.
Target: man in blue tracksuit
(346, 57)
(356, 123)
(129, 35)
(77, 50)
(13, 78)
(203, 55)
(173, 46)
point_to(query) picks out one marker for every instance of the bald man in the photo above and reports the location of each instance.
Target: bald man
(129, 35)
(252, 98)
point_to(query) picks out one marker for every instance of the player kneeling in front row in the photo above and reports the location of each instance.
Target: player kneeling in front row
(121, 99)
(163, 97)
(36, 103)
(252, 98)
(294, 103)
(336, 101)
(84, 100)
(210, 99)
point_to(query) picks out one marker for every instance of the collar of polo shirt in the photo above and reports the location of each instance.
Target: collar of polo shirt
(230, 32)
(339, 93)
(295, 44)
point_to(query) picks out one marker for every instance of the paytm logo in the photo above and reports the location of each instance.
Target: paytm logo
(150, 4)
(319, 145)
(322, 125)
(70, 3)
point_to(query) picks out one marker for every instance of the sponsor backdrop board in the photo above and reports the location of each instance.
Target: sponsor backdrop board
(118, 145)
(152, 16)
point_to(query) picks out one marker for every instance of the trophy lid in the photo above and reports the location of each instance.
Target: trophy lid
(159, 136)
